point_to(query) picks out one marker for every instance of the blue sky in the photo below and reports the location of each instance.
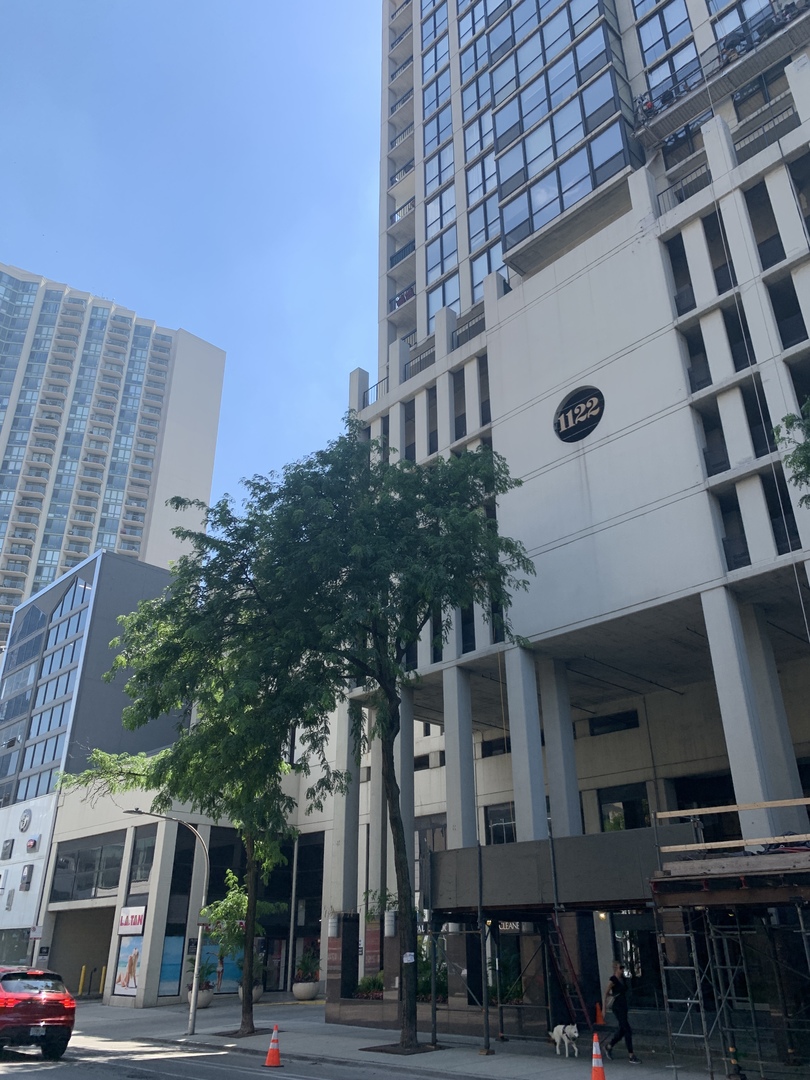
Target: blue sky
(215, 167)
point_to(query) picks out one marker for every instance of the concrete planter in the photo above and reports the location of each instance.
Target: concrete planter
(257, 992)
(305, 991)
(204, 998)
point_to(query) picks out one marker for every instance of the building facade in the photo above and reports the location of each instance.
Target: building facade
(103, 417)
(594, 257)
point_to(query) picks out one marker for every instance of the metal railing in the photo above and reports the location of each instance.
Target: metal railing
(402, 297)
(400, 38)
(766, 134)
(419, 363)
(403, 211)
(400, 174)
(399, 139)
(466, 333)
(395, 74)
(403, 253)
(687, 186)
(375, 392)
(743, 39)
(410, 339)
(399, 10)
(406, 97)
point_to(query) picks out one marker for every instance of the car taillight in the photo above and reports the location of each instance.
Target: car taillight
(7, 1003)
(69, 1003)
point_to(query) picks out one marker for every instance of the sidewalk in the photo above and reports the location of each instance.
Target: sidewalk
(304, 1036)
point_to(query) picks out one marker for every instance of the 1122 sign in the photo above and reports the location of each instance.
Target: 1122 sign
(579, 413)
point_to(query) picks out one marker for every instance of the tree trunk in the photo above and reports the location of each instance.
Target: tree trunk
(406, 913)
(246, 1027)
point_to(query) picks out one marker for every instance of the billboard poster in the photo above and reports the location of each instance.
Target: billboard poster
(129, 965)
(171, 965)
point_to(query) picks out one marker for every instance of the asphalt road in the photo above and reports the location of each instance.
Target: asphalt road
(139, 1061)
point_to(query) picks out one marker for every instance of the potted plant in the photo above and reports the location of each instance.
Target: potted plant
(307, 974)
(205, 989)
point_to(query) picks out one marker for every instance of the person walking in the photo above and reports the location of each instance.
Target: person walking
(616, 999)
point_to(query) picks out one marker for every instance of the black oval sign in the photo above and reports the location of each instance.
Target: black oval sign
(579, 413)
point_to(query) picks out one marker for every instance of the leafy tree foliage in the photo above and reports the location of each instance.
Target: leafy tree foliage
(324, 580)
(794, 437)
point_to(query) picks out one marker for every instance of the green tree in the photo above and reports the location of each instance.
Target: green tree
(793, 435)
(327, 576)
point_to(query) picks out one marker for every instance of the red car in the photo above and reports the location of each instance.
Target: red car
(35, 1010)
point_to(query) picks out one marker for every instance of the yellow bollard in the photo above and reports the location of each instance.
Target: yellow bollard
(80, 991)
(103, 979)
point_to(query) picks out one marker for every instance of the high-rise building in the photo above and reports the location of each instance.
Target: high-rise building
(594, 256)
(103, 417)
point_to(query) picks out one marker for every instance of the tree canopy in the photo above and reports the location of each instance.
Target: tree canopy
(794, 437)
(324, 579)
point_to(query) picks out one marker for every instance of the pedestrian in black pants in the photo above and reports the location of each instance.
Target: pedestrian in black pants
(616, 999)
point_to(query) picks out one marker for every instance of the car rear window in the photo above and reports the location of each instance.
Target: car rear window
(21, 982)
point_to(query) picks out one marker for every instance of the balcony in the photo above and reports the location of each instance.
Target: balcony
(786, 534)
(470, 330)
(419, 363)
(771, 251)
(716, 459)
(685, 300)
(771, 36)
(375, 392)
(402, 101)
(399, 306)
(766, 134)
(402, 254)
(684, 188)
(400, 174)
(397, 76)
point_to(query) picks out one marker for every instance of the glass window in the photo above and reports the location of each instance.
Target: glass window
(436, 93)
(484, 222)
(608, 153)
(444, 295)
(476, 96)
(442, 254)
(575, 178)
(538, 149)
(556, 33)
(439, 168)
(504, 79)
(474, 58)
(482, 265)
(598, 101)
(440, 211)
(591, 54)
(524, 17)
(501, 40)
(481, 178)
(435, 58)
(471, 22)
(568, 126)
(438, 129)
(562, 79)
(677, 69)
(533, 103)
(516, 220)
(478, 135)
(500, 822)
(624, 807)
(434, 25)
(507, 124)
(664, 30)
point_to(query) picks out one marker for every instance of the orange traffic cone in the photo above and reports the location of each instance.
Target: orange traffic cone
(597, 1069)
(273, 1059)
(600, 1019)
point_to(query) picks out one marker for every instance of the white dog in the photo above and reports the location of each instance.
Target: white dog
(565, 1035)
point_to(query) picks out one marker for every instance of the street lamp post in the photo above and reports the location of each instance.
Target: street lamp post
(195, 983)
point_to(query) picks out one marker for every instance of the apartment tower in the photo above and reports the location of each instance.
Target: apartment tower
(594, 256)
(103, 417)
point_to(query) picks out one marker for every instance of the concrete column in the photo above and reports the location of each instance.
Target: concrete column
(445, 422)
(789, 220)
(758, 741)
(798, 77)
(358, 385)
(801, 281)
(398, 355)
(345, 821)
(483, 629)
(643, 196)
(697, 258)
(396, 432)
(531, 822)
(157, 910)
(740, 235)
(403, 760)
(421, 418)
(718, 351)
(443, 333)
(765, 340)
(377, 824)
(472, 396)
(736, 432)
(756, 520)
(719, 147)
(561, 764)
(459, 763)
(494, 289)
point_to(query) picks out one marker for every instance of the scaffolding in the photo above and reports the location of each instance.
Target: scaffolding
(733, 936)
